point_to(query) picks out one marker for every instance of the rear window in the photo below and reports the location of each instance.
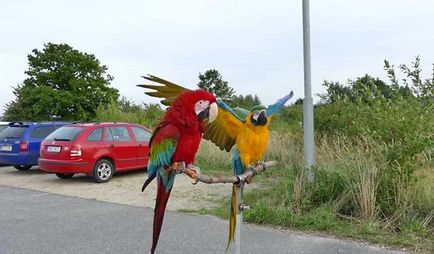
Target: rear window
(12, 132)
(41, 132)
(68, 133)
(2, 127)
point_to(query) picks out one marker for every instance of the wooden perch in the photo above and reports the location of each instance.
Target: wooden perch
(246, 176)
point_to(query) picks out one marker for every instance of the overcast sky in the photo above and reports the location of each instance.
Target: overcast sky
(256, 45)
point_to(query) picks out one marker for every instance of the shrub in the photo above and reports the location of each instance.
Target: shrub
(147, 115)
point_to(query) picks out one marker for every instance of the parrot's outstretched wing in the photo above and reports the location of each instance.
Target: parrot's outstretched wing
(163, 146)
(276, 107)
(168, 91)
(224, 130)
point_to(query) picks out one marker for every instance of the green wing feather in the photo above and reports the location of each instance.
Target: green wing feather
(168, 90)
(224, 130)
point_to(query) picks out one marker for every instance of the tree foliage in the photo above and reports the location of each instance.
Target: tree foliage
(125, 110)
(62, 83)
(366, 89)
(363, 89)
(213, 82)
(246, 102)
(422, 88)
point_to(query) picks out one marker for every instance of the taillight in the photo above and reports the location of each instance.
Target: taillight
(24, 146)
(75, 151)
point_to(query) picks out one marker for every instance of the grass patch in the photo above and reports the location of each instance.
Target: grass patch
(358, 193)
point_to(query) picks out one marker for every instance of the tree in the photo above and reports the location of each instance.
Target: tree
(246, 102)
(62, 84)
(212, 81)
(413, 83)
(125, 110)
(367, 88)
(363, 89)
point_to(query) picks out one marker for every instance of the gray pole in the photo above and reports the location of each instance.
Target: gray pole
(308, 101)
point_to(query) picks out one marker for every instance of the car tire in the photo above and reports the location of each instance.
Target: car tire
(64, 176)
(22, 167)
(103, 171)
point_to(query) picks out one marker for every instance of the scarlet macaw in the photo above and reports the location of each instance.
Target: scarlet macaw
(176, 141)
(248, 130)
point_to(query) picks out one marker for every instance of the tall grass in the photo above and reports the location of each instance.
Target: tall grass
(354, 188)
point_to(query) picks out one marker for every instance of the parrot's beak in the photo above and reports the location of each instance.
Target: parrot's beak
(260, 119)
(213, 112)
(210, 112)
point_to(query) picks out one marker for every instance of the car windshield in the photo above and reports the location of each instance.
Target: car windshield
(12, 132)
(67, 133)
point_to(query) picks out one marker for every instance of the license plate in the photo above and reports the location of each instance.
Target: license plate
(6, 148)
(53, 149)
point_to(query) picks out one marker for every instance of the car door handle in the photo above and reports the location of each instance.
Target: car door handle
(111, 146)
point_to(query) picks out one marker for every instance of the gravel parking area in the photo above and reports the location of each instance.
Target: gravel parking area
(124, 188)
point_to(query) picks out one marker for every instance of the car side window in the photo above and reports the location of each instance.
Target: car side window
(141, 134)
(42, 131)
(117, 134)
(95, 135)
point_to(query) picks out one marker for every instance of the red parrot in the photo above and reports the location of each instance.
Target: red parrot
(176, 140)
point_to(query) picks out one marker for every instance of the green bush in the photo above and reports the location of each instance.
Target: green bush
(147, 115)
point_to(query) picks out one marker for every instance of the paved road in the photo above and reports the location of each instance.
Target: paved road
(38, 222)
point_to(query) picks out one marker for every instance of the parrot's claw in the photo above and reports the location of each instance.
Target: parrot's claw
(249, 179)
(197, 170)
(179, 167)
(262, 163)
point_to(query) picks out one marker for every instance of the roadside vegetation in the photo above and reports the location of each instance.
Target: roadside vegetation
(374, 164)
(374, 146)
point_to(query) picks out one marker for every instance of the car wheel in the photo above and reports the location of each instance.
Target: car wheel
(64, 176)
(103, 171)
(22, 167)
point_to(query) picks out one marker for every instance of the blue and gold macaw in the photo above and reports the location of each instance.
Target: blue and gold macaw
(247, 130)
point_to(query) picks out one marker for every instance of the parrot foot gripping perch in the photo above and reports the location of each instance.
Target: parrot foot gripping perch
(193, 173)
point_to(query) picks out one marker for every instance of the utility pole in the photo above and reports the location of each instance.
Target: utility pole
(308, 101)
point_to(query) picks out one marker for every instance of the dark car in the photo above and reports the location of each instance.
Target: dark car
(3, 125)
(20, 142)
(95, 149)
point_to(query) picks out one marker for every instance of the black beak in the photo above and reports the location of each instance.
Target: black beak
(204, 114)
(262, 119)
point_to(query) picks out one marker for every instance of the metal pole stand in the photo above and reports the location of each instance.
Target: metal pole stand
(239, 182)
(239, 189)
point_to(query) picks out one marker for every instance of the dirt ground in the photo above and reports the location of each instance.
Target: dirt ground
(124, 188)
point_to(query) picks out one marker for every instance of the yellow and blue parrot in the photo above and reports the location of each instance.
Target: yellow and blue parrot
(247, 130)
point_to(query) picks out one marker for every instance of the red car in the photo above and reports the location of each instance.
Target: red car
(96, 149)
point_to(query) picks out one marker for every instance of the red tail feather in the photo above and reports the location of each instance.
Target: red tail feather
(160, 208)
